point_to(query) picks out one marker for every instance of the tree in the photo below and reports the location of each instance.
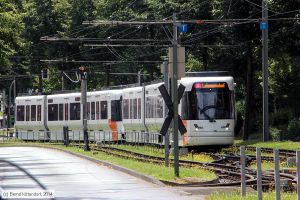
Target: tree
(284, 57)
(41, 20)
(231, 47)
(10, 32)
(244, 56)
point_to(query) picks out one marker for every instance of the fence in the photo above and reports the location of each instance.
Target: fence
(259, 173)
(138, 138)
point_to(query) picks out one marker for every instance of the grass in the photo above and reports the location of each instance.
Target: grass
(288, 145)
(266, 165)
(269, 165)
(200, 157)
(250, 196)
(4, 131)
(158, 171)
(236, 150)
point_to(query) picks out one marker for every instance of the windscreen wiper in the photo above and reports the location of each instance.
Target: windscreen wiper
(202, 111)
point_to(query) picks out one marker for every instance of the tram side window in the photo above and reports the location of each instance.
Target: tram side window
(97, 110)
(150, 105)
(20, 113)
(74, 111)
(39, 113)
(147, 107)
(33, 112)
(66, 111)
(139, 108)
(184, 106)
(134, 106)
(152, 110)
(53, 112)
(232, 105)
(93, 111)
(88, 110)
(103, 105)
(61, 112)
(126, 109)
(159, 107)
(116, 113)
(27, 113)
(130, 108)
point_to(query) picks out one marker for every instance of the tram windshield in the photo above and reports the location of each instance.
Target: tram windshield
(208, 101)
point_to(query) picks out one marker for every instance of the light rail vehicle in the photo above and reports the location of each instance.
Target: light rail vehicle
(207, 110)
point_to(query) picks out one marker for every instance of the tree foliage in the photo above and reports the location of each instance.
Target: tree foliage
(233, 47)
(12, 27)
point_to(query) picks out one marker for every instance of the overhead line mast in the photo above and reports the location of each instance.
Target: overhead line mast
(264, 28)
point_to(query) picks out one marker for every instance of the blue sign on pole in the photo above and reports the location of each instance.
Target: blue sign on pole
(183, 28)
(264, 25)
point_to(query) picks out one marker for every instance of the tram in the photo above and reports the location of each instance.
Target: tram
(207, 110)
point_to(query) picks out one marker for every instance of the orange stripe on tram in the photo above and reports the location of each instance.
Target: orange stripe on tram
(114, 127)
(185, 135)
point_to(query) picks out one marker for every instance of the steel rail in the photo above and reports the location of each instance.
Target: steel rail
(221, 169)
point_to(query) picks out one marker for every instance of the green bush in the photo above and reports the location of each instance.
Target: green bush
(281, 118)
(275, 134)
(240, 118)
(240, 109)
(294, 125)
(293, 132)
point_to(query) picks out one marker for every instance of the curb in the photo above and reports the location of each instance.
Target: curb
(195, 184)
(138, 175)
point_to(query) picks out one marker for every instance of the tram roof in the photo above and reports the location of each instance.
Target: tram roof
(189, 81)
(30, 97)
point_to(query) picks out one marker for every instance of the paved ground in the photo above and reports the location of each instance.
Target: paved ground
(74, 178)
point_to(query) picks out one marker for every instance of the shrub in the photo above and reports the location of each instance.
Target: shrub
(293, 132)
(294, 125)
(281, 118)
(275, 134)
(240, 117)
(240, 109)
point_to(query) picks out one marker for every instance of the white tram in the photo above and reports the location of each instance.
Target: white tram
(134, 114)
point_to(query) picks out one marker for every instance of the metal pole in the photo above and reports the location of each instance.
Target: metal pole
(9, 100)
(62, 82)
(84, 108)
(277, 174)
(139, 77)
(258, 173)
(15, 96)
(298, 174)
(243, 171)
(8, 106)
(167, 138)
(3, 108)
(40, 80)
(175, 99)
(266, 136)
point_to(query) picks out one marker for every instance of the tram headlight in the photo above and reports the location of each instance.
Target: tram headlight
(227, 127)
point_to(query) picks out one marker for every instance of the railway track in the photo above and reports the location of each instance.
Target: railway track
(282, 152)
(227, 168)
(228, 175)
